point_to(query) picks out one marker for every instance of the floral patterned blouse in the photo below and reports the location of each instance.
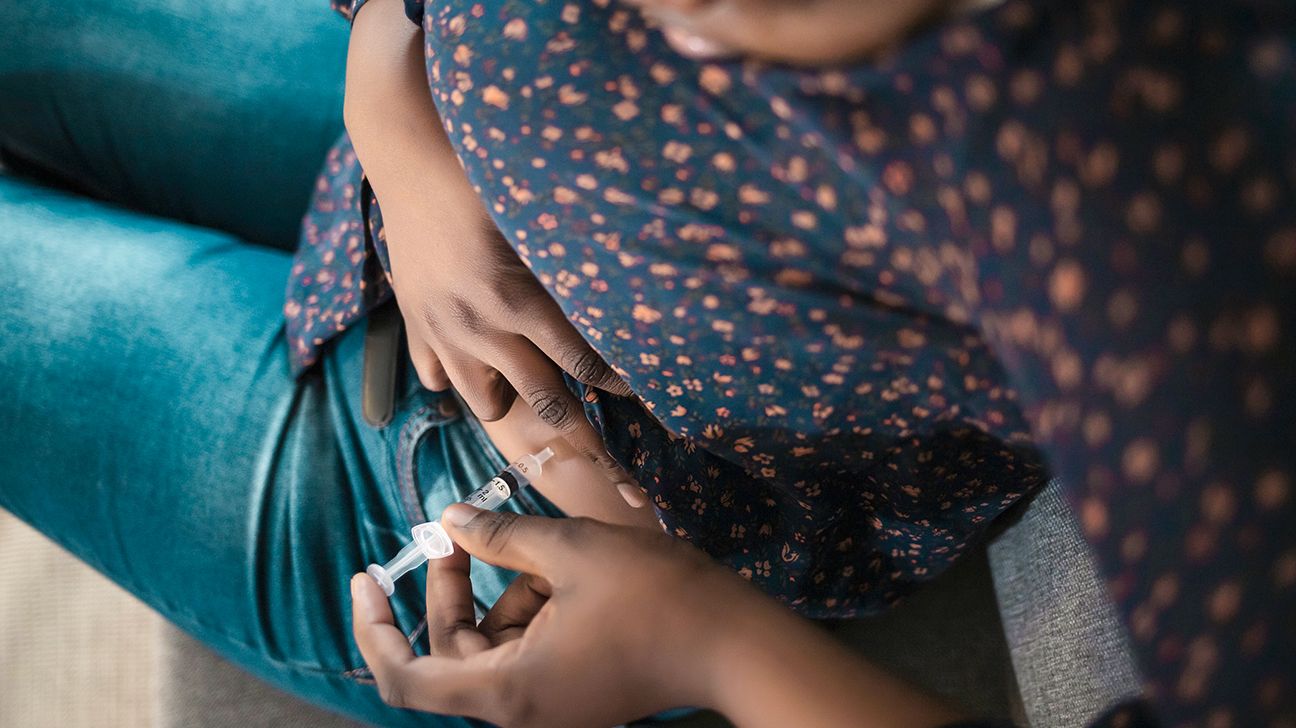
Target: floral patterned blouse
(851, 301)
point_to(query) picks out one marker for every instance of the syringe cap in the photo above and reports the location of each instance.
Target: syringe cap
(433, 540)
(537, 460)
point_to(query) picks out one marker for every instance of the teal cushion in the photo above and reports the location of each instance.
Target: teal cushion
(214, 113)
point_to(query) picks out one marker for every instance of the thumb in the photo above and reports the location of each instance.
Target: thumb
(529, 544)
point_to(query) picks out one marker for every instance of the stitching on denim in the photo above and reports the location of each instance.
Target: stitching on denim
(364, 674)
(191, 624)
(416, 426)
(432, 414)
(417, 631)
(412, 433)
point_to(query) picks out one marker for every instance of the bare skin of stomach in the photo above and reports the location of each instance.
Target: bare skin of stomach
(571, 482)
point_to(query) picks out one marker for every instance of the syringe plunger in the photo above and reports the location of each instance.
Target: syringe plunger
(430, 540)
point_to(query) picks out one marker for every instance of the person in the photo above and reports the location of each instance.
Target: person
(792, 275)
(1101, 193)
(232, 459)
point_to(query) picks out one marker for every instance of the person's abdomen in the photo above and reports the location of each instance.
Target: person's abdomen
(574, 484)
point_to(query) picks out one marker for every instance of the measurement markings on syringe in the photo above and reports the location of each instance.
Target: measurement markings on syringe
(499, 489)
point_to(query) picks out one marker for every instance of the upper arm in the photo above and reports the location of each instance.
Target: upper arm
(384, 64)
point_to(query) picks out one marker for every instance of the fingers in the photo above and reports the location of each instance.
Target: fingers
(452, 620)
(694, 45)
(540, 383)
(384, 647)
(440, 684)
(527, 372)
(562, 343)
(529, 544)
(486, 392)
(431, 373)
(515, 608)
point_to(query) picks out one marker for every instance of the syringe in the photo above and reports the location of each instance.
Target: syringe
(430, 540)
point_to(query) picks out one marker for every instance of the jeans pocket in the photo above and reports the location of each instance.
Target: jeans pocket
(421, 430)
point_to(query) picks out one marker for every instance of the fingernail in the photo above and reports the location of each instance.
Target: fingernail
(632, 495)
(460, 514)
(359, 600)
(695, 46)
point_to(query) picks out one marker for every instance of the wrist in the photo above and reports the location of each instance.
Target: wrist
(745, 638)
(775, 668)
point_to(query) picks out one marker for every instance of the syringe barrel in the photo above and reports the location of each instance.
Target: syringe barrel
(431, 540)
(509, 481)
(499, 489)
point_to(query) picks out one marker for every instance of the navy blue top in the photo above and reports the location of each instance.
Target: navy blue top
(849, 300)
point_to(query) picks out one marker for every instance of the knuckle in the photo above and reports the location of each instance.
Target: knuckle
(442, 639)
(554, 408)
(497, 531)
(430, 313)
(587, 367)
(576, 539)
(489, 396)
(515, 300)
(491, 407)
(465, 315)
(610, 464)
(573, 532)
(427, 377)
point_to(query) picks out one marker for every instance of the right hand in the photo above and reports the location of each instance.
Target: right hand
(606, 624)
(476, 318)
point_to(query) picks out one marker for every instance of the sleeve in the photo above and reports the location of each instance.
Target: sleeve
(350, 8)
(347, 8)
(1131, 714)
(414, 11)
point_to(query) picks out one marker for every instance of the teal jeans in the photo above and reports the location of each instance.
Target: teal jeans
(148, 419)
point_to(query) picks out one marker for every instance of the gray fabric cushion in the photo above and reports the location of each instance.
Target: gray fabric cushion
(1069, 649)
(946, 638)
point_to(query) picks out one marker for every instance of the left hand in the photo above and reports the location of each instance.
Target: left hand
(475, 315)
